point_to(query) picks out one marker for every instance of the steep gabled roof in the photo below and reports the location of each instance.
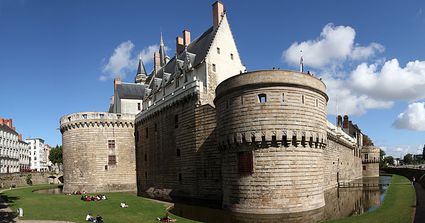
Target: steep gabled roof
(131, 91)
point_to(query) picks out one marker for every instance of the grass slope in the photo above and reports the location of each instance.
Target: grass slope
(39, 206)
(398, 205)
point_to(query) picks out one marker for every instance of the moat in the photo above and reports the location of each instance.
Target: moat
(360, 197)
(356, 198)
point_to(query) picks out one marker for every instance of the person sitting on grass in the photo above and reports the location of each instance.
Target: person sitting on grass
(103, 197)
(166, 218)
(124, 205)
(99, 219)
(90, 218)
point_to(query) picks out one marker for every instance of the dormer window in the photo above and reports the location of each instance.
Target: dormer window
(218, 50)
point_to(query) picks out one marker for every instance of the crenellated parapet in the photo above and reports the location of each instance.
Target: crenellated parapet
(272, 138)
(96, 119)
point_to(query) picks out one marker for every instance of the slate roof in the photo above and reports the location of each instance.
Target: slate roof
(7, 129)
(131, 91)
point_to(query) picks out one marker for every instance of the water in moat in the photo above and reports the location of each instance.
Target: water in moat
(355, 198)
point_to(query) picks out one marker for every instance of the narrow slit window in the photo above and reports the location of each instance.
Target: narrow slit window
(317, 103)
(147, 132)
(231, 56)
(218, 50)
(262, 98)
(283, 97)
(180, 177)
(139, 107)
(214, 68)
(176, 121)
(302, 99)
(178, 152)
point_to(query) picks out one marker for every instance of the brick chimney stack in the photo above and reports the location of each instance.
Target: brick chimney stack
(339, 121)
(157, 61)
(180, 44)
(20, 137)
(345, 122)
(218, 12)
(117, 81)
(186, 37)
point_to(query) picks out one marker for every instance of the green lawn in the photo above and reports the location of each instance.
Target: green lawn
(69, 207)
(398, 205)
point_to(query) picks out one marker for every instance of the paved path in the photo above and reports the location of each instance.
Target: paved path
(420, 204)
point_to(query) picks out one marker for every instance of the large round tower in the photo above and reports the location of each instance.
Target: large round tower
(98, 152)
(271, 128)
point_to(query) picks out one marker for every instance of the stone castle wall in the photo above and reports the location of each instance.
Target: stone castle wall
(20, 179)
(90, 163)
(176, 152)
(283, 135)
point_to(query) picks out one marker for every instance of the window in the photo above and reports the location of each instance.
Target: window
(177, 82)
(302, 99)
(112, 160)
(364, 167)
(178, 152)
(366, 156)
(283, 97)
(176, 121)
(317, 103)
(213, 67)
(111, 144)
(231, 56)
(138, 106)
(180, 177)
(146, 157)
(156, 127)
(262, 98)
(147, 132)
(218, 50)
(245, 162)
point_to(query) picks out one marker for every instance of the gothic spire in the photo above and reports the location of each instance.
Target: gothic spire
(141, 73)
(162, 52)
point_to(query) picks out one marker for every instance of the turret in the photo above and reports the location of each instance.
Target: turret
(141, 73)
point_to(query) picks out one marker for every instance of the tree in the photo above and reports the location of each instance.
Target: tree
(408, 158)
(423, 153)
(56, 155)
(367, 141)
(382, 162)
(389, 160)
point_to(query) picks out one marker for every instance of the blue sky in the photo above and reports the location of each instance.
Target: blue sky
(57, 57)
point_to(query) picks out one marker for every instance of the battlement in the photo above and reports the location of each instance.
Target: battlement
(87, 119)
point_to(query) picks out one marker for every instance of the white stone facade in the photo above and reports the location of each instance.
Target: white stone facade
(14, 153)
(39, 154)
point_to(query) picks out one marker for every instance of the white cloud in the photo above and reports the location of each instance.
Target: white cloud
(124, 61)
(334, 46)
(392, 82)
(413, 118)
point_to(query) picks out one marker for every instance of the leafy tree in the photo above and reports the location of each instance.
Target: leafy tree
(423, 153)
(367, 141)
(389, 160)
(382, 162)
(56, 155)
(408, 158)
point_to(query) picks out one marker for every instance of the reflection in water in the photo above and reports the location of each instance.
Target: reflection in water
(56, 190)
(362, 196)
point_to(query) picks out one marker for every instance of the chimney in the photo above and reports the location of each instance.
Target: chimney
(179, 45)
(20, 137)
(157, 61)
(218, 12)
(345, 123)
(1, 121)
(339, 121)
(117, 81)
(186, 37)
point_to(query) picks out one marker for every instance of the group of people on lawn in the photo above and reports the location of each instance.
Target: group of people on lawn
(93, 198)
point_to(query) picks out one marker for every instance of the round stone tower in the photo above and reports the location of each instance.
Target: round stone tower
(370, 161)
(271, 128)
(98, 152)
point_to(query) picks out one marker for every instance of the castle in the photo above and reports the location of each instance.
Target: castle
(201, 127)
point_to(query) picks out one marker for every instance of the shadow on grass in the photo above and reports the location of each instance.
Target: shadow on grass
(7, 216)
